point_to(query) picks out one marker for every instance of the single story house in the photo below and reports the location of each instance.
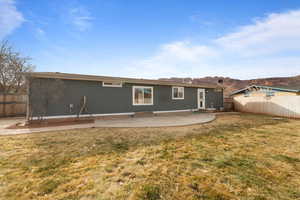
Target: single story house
(63, 95)
(277, 101)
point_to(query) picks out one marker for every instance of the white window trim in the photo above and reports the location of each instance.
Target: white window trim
(177, 98)
(138, 104)
(113, 85)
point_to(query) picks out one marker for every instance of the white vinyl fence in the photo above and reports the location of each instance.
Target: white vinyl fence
(285, 106)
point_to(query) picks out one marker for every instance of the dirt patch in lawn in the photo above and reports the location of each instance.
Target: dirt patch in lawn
(239, 156)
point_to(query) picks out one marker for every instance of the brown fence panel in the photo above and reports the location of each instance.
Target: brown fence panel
(12, 105)
(228, 104)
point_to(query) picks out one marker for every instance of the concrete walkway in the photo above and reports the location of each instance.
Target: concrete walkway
(153, 121)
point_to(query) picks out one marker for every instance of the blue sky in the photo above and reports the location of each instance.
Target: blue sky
(157, 38)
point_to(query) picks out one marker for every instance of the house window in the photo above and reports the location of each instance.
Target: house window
(142, 95)
(111, 84)
(177, 92)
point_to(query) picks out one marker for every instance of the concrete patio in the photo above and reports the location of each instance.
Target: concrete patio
(134, 122)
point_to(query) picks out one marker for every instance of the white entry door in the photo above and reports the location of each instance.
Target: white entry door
(201, 98)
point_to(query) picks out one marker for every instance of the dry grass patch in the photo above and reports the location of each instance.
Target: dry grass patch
(235, 157)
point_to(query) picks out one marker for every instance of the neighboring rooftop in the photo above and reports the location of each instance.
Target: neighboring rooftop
(230, 84)
(278, 88)
(67, 76)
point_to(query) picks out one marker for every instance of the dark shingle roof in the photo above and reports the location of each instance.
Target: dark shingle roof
(68, 76)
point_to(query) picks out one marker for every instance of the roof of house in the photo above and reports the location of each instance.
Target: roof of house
(67, 76)
(277, 88)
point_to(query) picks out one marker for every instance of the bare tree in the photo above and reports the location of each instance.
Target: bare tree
(12, 64)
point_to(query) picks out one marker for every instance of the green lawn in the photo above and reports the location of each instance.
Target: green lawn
(251, 157)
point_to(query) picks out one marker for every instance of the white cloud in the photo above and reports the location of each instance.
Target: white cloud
(186, 51)
(81, 18)
(276, 32)
(268, 47)
(10, 17)
(172, 59)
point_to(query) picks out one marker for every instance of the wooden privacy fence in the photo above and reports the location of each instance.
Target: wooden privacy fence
(228, 104)
(285, 106)
(12, 105)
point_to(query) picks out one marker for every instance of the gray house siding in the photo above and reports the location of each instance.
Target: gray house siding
(213, 99)
(103, 100)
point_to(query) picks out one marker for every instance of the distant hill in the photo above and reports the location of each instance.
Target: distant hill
(235, 84)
